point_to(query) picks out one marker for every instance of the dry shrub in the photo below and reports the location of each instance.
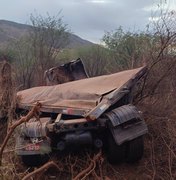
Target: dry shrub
(12, 168)
(159, 161)
(159, 108)
(157, 101)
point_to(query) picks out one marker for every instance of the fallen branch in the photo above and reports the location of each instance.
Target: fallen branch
(42, 169)
(83, 174)
(11, 129)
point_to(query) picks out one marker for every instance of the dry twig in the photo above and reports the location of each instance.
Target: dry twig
(41, 170)
(86, 172)
(26, 118)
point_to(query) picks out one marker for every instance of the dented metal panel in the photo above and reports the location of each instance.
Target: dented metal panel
(67, 72)
(115, 95)
(93, 95)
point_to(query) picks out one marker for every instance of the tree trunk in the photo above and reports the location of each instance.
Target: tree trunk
(6, 98)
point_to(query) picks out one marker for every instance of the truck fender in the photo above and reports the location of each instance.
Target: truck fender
(126, 123)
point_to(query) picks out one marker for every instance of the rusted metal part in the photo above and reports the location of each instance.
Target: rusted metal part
(60, 110)
(58, 118)
(71, 71)
(114, 96)
(35, 128)
(74, 121)
(68, 124)
(63, 123)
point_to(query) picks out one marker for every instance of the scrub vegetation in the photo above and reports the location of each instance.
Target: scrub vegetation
(46, 46)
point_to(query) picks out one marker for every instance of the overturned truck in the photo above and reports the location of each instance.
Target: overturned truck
(92, 112)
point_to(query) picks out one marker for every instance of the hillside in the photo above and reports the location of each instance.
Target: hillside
(12, 30)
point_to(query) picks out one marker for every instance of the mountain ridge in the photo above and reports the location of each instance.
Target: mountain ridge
(12, 30)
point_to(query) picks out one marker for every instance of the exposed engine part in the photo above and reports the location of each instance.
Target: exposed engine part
(73, 124)
(61, 146)
(98, 143)
(81, 138)
(35, 128)
(35, 140)
(78, 138)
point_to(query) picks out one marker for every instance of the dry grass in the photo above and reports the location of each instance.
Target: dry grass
(159, 161)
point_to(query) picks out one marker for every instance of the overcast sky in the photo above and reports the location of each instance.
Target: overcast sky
(88, 19)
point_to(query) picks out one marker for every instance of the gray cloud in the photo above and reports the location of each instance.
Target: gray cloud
(86, 18)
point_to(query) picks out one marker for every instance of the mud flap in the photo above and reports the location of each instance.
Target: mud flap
(122, 134)
(126, 123)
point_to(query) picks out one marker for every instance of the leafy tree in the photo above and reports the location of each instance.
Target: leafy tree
(128, 49)
(48, 36)
(24, 63)
(38, 50)
(7, 55)
(95, 59)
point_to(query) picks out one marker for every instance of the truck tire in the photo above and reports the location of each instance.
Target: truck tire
(34, 160)
(115, 153)
(135, 149)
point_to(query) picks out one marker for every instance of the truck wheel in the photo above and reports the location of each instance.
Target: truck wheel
(115, 153)
(34, 160)
(135, 150)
